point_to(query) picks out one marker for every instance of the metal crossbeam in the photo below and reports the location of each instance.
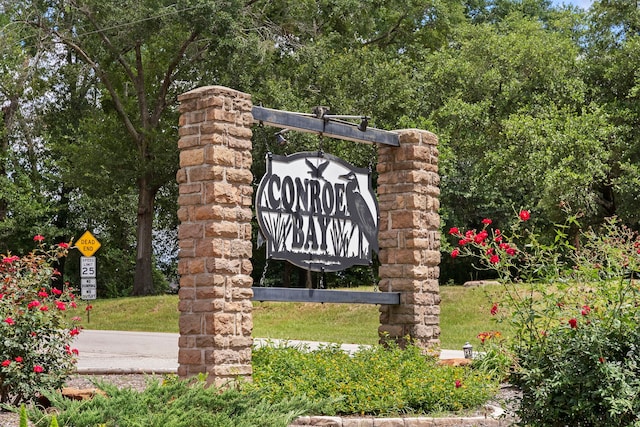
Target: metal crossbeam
(326, 126)
(323, 295)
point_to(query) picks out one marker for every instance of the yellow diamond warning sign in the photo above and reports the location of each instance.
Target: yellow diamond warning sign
(87, 244)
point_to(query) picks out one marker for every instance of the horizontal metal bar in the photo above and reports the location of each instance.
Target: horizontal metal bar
(324, 295)
(334, 129)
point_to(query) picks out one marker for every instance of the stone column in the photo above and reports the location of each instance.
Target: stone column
(215, 192)
(408, 195)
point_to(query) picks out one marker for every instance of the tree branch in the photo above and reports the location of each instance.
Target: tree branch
(161, 100)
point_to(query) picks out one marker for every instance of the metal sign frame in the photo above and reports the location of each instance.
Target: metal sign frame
(317, 211)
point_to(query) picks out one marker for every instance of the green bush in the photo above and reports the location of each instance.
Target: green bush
(35, 352)
(175, 403)
(375, 380)
(575, 309)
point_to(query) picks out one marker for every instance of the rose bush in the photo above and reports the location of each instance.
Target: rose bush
(574, 306)
(36, 350)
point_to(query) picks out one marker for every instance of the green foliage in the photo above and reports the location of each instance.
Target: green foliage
(575, 319)
(374, 381)
(177, 403)
(35, 350)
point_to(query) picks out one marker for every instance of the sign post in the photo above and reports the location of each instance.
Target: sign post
(88, 245)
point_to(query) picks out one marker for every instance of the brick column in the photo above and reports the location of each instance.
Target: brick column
(408, 195)
(214, 234)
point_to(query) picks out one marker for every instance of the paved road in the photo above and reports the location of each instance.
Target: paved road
(111, 352)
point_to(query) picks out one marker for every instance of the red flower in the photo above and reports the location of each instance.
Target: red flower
(455, 253)
(601, 359)
(463, 242)
(585, 310)
(56, 291)
(486, 221)
(454, 230)
(524, 215)
(61, 306)
(38, 369)
(43, 294)
(9, 260)
(18, 359)
(44, 308)
(33, 304)
(494, 259)
(481, 236)
(9, 321)
(38, 238)
(63, 245)
(494, 309)
(573, 323)
(510, 251)
(73, 332)
(458, 383)
(75, 351)
(6, 363)
(90, 307)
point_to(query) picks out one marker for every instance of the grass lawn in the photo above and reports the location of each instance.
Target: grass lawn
(464, 313)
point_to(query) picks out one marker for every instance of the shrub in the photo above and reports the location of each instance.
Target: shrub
(35, 350)
(575, 308)
(375, 380)
(175, 403)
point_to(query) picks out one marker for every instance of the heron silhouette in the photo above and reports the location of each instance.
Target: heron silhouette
(359, 211)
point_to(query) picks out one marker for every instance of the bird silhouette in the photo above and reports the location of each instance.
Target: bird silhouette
(359, 211)
(316, 171)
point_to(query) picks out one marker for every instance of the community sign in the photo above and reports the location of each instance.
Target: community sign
(317, 211)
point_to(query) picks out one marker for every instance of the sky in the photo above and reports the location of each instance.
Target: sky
(580, 3)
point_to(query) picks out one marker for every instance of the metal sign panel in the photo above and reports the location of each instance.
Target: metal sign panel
(317, 211)
(88, 288)
(87, 266)
(87, 244)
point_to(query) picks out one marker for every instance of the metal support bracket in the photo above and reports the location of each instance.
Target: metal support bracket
(326, 126)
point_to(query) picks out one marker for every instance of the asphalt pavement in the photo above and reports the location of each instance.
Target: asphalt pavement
(119, 352)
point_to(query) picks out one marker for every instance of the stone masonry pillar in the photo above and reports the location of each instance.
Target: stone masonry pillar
(214, 234)
(408, 196)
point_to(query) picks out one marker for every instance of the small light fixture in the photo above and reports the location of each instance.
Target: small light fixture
(280, 139)
(364, 122)
(467, 349)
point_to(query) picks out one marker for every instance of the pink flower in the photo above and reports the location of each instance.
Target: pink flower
(486, 221)
(6, 363)
(38, 238)
(524, 215)
(38, 369)
(455, 253)
(63, 245)
(458, 383)
(494, 259)
(494, 309)
(573, 323)
(9, 321)
(585, 310)
(454, 230)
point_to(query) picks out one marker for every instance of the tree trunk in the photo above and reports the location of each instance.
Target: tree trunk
(143, 279)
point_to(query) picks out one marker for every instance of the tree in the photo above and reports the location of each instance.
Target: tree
(143, 53)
